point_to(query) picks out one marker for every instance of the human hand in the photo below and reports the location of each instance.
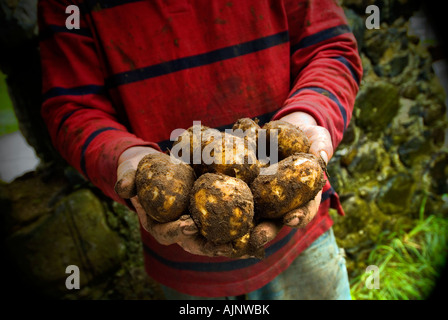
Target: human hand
(321, 146)
(182, 231)
(319, 137)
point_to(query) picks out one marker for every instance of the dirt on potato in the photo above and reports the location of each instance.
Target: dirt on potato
(194, 139)
(249, 131)
(291, 139)
(288, 185)
(229, 156)
(163, 187)
(222, 207)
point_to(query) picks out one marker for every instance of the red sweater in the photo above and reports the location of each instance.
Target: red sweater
(138, 69)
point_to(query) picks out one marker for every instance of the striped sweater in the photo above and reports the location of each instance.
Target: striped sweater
(136, 70)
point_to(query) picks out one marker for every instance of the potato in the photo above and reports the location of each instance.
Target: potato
(222, 207)
(288, 185)
(247, 124)
(195, 137)
(291, 139)
(229, 156)
(250, 129)
(163, 187)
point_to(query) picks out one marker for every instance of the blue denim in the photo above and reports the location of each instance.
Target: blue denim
(318, 273)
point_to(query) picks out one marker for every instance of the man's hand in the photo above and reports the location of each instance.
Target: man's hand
(319, 137)
(321, 146)
(183, 231)
(127, 166)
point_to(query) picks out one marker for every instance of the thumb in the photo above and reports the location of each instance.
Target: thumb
(167, 233)
(264, 232)
(127, 167)
(320, 140)
(125, 185)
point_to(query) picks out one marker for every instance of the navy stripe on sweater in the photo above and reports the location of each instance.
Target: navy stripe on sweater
(197, 60)
(86, 144)
(320, 37)
(65, 117)
(329, 95)
(345, 62)
(74, 91)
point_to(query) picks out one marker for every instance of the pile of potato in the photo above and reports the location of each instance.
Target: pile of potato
(228, 197)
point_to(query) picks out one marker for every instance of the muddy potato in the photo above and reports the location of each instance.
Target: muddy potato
(229, 156)
(210, 135)
(288, 185)
(195, 137)
(163, 187)
(222, 207)
(249, 129)
(291, 139)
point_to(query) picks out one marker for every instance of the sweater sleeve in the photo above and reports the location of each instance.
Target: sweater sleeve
(82, 122)
(325, 65)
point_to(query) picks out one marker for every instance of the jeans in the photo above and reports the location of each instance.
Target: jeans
(318, 273)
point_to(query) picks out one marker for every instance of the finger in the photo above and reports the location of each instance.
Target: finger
(264, 232)
(200, 246)
(173, 232)
(128, 163)
(300, 217)
(320, 140)
(166, 233)
(142, 216)
(322, 150)
(125, 185)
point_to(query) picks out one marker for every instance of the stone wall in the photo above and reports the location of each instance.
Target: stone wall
(392, 162)
(50, 223)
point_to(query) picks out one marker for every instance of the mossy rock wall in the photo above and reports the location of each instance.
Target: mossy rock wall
(50, 224)
(392, 164)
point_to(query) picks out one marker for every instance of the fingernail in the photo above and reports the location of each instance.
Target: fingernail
(224, 252)
(189, 230)
(324, 156)
(293, 222)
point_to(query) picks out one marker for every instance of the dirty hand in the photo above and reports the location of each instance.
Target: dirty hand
(182, 231)
(321, 146)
